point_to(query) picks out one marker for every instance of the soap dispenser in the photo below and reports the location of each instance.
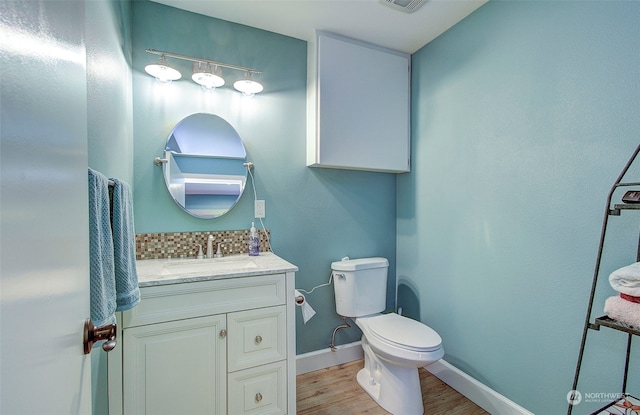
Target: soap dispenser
(254, 242)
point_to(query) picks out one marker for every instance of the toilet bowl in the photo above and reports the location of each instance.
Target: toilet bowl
(394, 348)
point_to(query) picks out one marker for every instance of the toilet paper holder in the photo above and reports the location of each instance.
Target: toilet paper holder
(307, 311)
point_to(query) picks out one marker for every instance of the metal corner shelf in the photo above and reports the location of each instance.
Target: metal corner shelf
(631, 206)
(604, 321)
(614, 324)
(618, 207)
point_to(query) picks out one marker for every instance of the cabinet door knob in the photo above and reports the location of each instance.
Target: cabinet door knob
(258, 339)
(223, 333)
(258, 397)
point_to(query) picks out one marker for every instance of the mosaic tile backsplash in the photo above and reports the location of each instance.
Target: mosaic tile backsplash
(184, 244)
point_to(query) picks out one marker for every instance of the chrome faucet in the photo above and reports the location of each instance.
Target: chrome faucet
(210, 246)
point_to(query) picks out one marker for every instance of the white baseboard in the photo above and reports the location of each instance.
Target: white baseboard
(480, 394)
(483, 396)
(322, 359)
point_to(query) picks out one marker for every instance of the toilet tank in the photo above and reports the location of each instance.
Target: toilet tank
(360, 286)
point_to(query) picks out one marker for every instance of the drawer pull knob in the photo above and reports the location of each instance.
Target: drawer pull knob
(223, 333)
(258, 339)
(258, 397)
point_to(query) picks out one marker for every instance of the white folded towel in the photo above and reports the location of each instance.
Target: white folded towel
(627, 279)
(622, 310)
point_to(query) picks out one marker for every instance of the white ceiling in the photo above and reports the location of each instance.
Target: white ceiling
(365, 20)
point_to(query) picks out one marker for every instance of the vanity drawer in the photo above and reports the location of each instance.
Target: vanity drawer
(259, 390)
(161, 303)
(256, 337)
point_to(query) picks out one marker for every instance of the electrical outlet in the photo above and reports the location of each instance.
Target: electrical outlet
(259, 208)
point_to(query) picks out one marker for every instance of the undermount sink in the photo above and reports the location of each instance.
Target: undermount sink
(213, 265)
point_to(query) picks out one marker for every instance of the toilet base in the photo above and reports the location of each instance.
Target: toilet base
(394, 388)
(366, 383)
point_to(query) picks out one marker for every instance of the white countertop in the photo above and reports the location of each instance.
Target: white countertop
(180, 270)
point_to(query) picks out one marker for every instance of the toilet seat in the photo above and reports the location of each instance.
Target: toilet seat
(403, 332)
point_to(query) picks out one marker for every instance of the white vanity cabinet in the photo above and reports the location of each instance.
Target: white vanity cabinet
(359, 107)
(220, 344)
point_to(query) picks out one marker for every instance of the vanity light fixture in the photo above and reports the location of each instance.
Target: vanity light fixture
(206, 73)
(162, 71)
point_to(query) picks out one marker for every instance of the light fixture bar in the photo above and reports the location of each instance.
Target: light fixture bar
(192, 59)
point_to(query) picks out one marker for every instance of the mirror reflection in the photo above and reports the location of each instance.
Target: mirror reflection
(204, 169)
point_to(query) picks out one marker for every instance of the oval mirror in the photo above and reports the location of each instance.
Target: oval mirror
(204, 165)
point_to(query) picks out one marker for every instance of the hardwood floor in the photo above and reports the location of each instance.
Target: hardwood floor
(334, 391)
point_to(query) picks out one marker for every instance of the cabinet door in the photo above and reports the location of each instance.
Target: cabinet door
(363, 106)
(257, 337)
(177, 367)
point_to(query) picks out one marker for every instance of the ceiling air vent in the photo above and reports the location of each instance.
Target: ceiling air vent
(407, 6)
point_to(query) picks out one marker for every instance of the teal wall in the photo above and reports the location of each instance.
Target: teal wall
(110, 118)
(523, 115)
(316, 216)
(109, 122)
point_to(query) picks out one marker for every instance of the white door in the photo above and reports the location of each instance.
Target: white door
(44, 284)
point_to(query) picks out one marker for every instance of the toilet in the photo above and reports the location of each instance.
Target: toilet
(394, 346)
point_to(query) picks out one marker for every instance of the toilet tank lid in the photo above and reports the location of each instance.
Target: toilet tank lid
(358, 264)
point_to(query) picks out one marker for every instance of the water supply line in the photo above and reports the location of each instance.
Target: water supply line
(345, 325)
(333, 336)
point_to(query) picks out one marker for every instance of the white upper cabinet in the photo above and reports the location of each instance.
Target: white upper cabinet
(358, 106)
